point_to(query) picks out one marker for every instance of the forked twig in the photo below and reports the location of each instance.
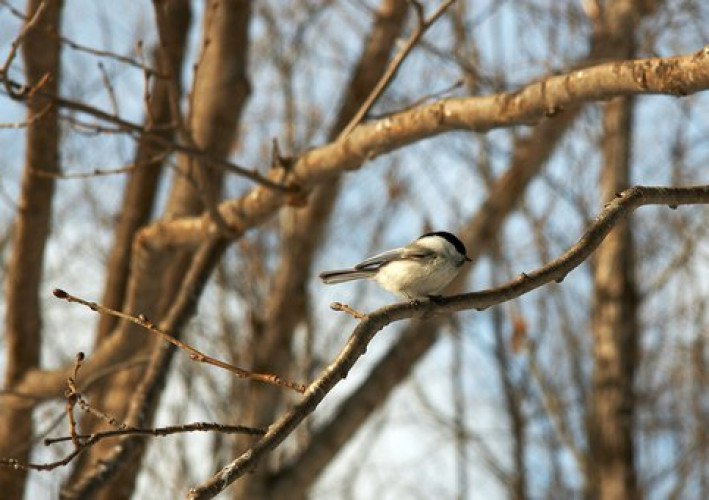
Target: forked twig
(423, 25)
(99, 172)
(196, 355)
(92, 439)
(29, 24)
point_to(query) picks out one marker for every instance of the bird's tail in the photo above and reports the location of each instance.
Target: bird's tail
(342, 275)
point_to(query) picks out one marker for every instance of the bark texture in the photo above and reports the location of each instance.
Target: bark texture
(614, 317)
(23, 321)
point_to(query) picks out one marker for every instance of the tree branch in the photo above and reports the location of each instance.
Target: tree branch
(91, 439)
(393, 68)
(356, 346)
(679, 76)
(193, 353)
(21, 92)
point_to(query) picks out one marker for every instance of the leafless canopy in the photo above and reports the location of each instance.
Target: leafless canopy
(175, 174)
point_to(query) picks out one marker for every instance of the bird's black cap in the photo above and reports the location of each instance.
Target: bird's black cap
(450, 238)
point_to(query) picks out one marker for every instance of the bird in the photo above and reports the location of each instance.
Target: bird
(417, 271)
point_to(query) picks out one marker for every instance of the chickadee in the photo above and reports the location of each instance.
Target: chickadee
(418, 270)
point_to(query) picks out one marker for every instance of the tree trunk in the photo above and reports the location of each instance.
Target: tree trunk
(611, 473)
(173, 19)
(614, 326)
(23, 322)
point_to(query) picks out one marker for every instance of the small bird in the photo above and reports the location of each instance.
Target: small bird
(419, 270)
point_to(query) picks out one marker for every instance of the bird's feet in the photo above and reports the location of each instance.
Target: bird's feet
(417, 301)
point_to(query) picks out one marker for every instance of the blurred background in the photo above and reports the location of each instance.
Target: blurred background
(595, 387)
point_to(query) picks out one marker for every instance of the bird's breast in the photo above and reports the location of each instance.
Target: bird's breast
(416, 279)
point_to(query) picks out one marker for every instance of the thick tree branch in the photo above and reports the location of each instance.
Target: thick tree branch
(681, 75)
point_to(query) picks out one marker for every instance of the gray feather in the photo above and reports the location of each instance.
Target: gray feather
(380, 259)
(411, 252)
(342, 275)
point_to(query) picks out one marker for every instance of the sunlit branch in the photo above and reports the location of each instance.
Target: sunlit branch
(546, 97)
(393, 68)
(356, 346)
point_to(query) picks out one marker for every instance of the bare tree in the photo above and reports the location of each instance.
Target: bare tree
(265, 141)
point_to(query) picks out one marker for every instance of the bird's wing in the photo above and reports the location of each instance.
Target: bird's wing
(406, 253)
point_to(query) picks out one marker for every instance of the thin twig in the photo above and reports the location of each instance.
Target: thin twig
(109, 419)
(149, 111)
(106, 80)
(165, 431)
(196, 355)
(396, 63)
(74, 399)
(338, 306)
(17, 89)
(92, 439)
(438, 94)
(70, 403)
(35, 117)
(89, 50)
(29, 24)
(97, 172)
